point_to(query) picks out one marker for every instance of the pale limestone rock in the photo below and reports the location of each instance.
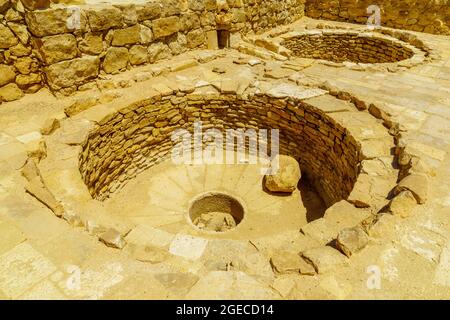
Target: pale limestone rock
(21, 31)
(37, 189)
(130, 35)
(81, 104)
(195, 38)
(284, 262)
(7, 74)
(189, 21)
(351, 240)
(25, 81)
(50, 125)
(145, 35)
(417, 184)
(148, 11)
(112, 238)
(49, 22)
(324, 259)
(91, 44)
(10, 92)
(138, 55)
(150, 254)
(7, 38)
(230, 285)
(104, 18)
(188, 247)
(403, 204)
(57, 48)
(164, 27)
(158, 51)
(284, 176)
(116, 59)
(178, 283)
(73, 72)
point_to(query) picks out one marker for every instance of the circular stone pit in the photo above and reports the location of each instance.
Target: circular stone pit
(216, 211)
(349, 46)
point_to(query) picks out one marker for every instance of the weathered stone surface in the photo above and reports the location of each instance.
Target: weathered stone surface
(4, 5)
(7, 74)
(285, 174)
(25, 65)
(229, 285)
(116, 59)
(36, 188)
(138, 55)
(324, 259)
(10, 92)
(57, 48)
(21, 31)
(146, 35)
(417, 184)
(112, 238)
(189, 21)
(285, 262)
(105, 18)
(164, 27)
(403, 204)
(195, 38)
(19, 50)
(26, 80)
(49, 22)
(73, 72)
(351, 240)
(150, 254)
(91, 44)
(36, 4)
(148, 11)
(49, 126)
(158, 51)
(130, 35)
(7, 38)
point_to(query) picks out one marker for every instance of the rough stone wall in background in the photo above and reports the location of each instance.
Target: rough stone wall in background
(43, 43)
(431, 16)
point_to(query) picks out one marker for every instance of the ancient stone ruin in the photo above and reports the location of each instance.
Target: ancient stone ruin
(224, 149)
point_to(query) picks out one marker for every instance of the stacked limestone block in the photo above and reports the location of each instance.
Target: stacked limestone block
(431, 16)
(19, 67)
(113, 38)
(349, 46)
(69, 44)
(139, 136)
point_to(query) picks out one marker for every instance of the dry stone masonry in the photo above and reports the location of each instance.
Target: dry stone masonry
(432, 16)
(139, 136)
(42, 43)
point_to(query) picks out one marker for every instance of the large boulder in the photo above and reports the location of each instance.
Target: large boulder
(57, 48)
(104, 18)
(7, 74)
(164, 27)
(116, 59)
(72, 72)
(284, 175)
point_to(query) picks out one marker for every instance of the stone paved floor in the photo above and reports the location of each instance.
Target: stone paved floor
(43, 257)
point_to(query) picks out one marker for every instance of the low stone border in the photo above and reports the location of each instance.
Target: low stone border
(402, 40)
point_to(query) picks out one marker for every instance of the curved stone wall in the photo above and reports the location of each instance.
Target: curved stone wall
(431, 16)
(139, 136)
(340, 47)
